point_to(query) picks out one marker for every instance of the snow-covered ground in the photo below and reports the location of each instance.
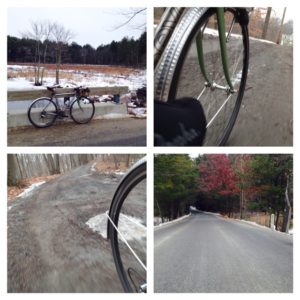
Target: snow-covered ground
(168, 222)
(135, 80)
(130, 227)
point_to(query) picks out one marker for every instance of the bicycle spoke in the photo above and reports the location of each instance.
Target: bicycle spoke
(221, 107)
(125, 241)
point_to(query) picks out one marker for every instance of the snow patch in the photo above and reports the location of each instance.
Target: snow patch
(112, 116)
(118, 172)
(131, 228)
(264, 227)
(27, 191)
(172, 222)
(215, 32)
(93, 169)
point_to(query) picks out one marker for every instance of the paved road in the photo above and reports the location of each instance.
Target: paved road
(113, 132)
(49, 246)
(266, 115)
(206, 253)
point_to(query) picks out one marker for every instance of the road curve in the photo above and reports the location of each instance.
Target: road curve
(208, 254)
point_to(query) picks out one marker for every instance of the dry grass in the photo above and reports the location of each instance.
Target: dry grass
(14, 191)
(87, 70)
(109, 167)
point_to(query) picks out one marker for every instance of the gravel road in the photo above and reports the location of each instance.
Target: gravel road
(51, 248)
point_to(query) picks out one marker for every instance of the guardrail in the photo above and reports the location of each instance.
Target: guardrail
(26, 95)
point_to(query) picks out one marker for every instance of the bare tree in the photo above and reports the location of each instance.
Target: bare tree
(130, 14)
(36, 33)
(40, 32)
(48, 26)
(61, 37)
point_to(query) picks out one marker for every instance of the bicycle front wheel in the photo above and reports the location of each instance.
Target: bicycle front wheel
(82, 110)
(42, 112)
(127, 229)
(187, 80)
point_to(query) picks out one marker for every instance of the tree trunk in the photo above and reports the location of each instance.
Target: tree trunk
(266, 24)
(11, 175)
(288, 209)
(128, 160)
(279, 36)
(58, 63)
(277, 219)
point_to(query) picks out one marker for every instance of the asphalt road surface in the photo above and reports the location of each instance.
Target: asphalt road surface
(209, 254)
(111, 132)
(266, 114)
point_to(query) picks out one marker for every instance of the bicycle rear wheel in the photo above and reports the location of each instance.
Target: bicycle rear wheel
(42, 112)
(186, 79)
(127, 229)
(82, 110)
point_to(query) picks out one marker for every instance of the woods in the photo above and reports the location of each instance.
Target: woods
(127, 52)
(25, 166)
(233, 185)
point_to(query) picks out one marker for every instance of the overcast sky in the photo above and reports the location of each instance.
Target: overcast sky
(94, 26)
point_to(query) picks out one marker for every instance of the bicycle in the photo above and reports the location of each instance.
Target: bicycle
(129, 258)
(43, 111)
(203, 53)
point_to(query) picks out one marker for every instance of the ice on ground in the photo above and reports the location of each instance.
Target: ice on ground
(131, 228)
(27, 191)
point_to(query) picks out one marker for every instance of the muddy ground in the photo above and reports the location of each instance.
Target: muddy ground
(50, 247)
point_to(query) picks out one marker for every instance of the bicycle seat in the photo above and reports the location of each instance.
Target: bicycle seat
(53, 87)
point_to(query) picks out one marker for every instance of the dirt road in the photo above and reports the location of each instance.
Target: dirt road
(112, 132)
(50, 246)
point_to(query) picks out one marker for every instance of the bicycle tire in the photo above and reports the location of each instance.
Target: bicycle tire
(37, 111)
(167, 75)
(135, 175)
(82, 110)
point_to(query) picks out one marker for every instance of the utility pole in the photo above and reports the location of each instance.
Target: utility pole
(279, 36)
(266, 24)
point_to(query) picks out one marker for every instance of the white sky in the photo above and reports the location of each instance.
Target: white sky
(94, 26)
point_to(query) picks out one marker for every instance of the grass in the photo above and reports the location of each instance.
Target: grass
(71, 71)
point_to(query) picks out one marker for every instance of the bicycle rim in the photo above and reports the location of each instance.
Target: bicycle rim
(220, 108)
(82, 110)
(127, 221)
(42, 112)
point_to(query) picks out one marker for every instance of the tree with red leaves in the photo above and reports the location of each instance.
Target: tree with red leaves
(217, 177)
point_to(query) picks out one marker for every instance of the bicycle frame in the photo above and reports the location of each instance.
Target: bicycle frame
(62, 95)
(166, 28)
